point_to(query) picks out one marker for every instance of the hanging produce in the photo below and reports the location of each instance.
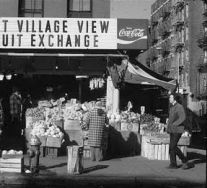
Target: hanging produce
(96, 83)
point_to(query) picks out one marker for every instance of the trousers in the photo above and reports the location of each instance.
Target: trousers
(174, 149)
(96, 153)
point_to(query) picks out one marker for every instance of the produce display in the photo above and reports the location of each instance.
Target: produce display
(39, 128)
(146, 118)
(147, 122)
(54, 131)
(48, 112)
(150, 124)
(36, 113)
(44, 120)
(6, 154)
(73, 112)
(53, 114)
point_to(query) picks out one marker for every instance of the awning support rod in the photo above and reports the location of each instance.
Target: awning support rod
(62, 55)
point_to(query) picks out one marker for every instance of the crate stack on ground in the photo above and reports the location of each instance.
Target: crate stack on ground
(12, 162)
(157, 148)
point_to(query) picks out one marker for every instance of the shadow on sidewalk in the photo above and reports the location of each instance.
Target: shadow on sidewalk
(54, 166)
(94, 168)
(196, 158)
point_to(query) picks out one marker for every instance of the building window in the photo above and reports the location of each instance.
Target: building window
(186, 33)
(205, 57)
(203, 83)
(31, 8)
(187, 10)
(187, 55)
(79, 8)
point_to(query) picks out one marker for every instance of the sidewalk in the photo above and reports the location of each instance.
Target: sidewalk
(121, 172)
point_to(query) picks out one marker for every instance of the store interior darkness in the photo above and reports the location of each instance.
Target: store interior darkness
(36, 85)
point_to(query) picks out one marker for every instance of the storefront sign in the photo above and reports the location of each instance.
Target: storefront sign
(69, 33)
(132, 34)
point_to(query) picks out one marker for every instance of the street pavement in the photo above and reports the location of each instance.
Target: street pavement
(134, 171)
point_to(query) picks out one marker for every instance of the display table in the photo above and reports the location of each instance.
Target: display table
(123, 143)
(156, 147)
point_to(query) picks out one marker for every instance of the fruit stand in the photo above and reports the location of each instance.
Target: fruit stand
(58, 124)
(155, 141)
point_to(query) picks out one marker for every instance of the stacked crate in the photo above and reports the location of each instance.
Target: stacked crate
(155, 148)
(12, 165)
(52, 146)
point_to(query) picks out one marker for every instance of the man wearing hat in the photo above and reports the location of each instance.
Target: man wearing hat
(96, 121)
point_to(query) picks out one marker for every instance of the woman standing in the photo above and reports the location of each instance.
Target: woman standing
(96, 121)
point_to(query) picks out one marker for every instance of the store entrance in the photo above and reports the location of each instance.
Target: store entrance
(44, 87)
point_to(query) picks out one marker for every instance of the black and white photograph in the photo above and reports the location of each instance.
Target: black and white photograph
(103, 93)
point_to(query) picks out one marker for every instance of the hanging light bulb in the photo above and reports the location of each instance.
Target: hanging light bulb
(1, 77)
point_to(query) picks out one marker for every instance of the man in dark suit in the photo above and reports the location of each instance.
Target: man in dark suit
(175, 128)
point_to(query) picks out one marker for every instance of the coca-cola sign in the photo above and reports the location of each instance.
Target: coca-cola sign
(132, 34)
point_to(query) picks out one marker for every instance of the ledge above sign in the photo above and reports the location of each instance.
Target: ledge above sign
(73, 33)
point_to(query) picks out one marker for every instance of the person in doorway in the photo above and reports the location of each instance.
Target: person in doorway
(96, 121)
(129, 106)
(26, 103)
(16, 111)
(175, 128)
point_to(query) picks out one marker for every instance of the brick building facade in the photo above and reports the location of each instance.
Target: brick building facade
(174, 51)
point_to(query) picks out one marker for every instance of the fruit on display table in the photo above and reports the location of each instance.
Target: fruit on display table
(54, 131)
(36, 113)
(6, 154)
(39, 128)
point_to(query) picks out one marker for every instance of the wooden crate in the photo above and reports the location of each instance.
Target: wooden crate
(12, 165)
(51, 152)
(53, 142)
(72, 124)
(158, 149)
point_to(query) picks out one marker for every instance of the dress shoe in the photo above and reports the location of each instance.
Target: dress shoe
(186, 166)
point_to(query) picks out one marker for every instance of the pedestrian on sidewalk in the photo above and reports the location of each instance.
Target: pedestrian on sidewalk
(175, 128)
(96, 121)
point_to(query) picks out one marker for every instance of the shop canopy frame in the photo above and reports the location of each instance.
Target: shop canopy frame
(133, 72)
(129, 70)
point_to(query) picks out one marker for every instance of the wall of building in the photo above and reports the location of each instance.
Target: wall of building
(186, 58)
(9, 8)
(54, 8)
(101, 9)
(139, 9)
(195, 25)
